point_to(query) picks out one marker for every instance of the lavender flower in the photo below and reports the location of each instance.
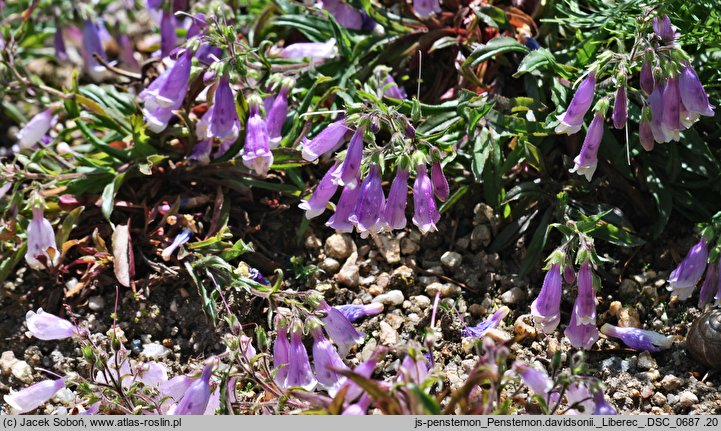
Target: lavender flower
(349, 171)
(221, 122)
(546, 309)
(61, 52)
(585, 306)
(684, 278)
(180, 239)
(693, 95)
(579, 397)
(359, 408)
(369, 208)
(709, 286)
(671, 117)
(276, 115)
(364, 369)
(581, 336)
(167, 33)
(394, 213)
(483, 327)
(601, 406)
(663, 28)
(587, 160)
(92, 45)
(620, 110)
(656, 103)
(426, 8)
(246, 347)
(392, 90)
(646, 79)
(299, 371)
(440, 183)
(166, 93)
(536, 378)
(329, 139)
(343, 210)
(36, 129)
(34, 396)
(339, 328)
(325, 190)
(426, 214)
(201, 152)
(256, 154)
(344, 14)
(645, 134)
(569, 275)
(281, 352)
(152, 374)
(413, 370)
(196, 398)
(638, 339)
(316, 51)
(327, 362)
(175, 388)
(572, 119)
(354, 312)
(41, 242)
(46, 326)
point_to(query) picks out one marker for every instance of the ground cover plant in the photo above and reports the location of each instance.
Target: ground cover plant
(360, 207)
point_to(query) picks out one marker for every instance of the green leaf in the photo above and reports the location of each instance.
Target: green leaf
(109, 193)
(68, 224)
(498, 45)
(538, 243)
(541, 59)
(482, 144)
(455, 197)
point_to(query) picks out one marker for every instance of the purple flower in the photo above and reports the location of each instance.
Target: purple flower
(281, 352)
(587, 160)
(180, 239)
(46, 326)
(151, 374)
(709, 286)
(638, 339)
(276, 115)
(316, 51)
(656, 102)
(197, 396)
(344, 14)
(440, 183)
(684, 278)
(546, 309)
(368, 210)
(41, 242)
(167, 33)
(663, 28)
(256, 153)
(354, 312)
(325, 190)
(299, 371)
(645, 134)
(246, 347)
(483, 327)
(413, 370)
(426, 8)
(572, 119)
(175, 388)
(364, 369)
(425, 214)
(221, 122)
(36, 129)
(349, 171)
(579, 397)
(343, 210)
(646, 79)
(327, 361)
(620, 110)
(569, 275)
(392, 90)
(34, 396)
(693, 95)
(581, 336)
(671, 117)
(127, 53)
(118, 369)
(201, 152)
(92, 45)
(360, 408)
(59, 42)
(535, 378)
(601, 406)
(585, 306)
(394, 213)
(339, 328)
(166, 93)
(329, 139)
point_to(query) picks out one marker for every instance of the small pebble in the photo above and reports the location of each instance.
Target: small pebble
(687, 399)
(330, 266)
(22, 371)
(646, 361)
(96, 303)
(394, 297)
(339, 246)
(451, 259)
(628, 318)
(409, 247)
(7, 360)
(349, 274)
(659, 399)
(513, 296)
(388, 336)
(670, 382)
(614, 308)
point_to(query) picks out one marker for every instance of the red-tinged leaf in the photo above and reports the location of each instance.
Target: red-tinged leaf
(122, 255)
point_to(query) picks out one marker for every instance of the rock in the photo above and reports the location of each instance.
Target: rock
(409, 247)
(616, 365)
(388, 336)
(96, 303)
(629, 289)
(394, 297)
(513, 296)
(687, 399)
(476, 310)
(628, 318)
(395, 321)
(450, 290)
(64, 396)
(651, 375)
(22, 371)
(349, 274)
(659, 399)
(389, 247)
(330, 266)
(325, 287)
(646, 361)
(312, 242)
(480, 236)
(369, 349)
(670, 382)
(7, 360)
(155, 350)
(403, 278)
(339, 246)
(523, 329)
(614, 308)
(451, 259)
(422, 301)
(375, 290)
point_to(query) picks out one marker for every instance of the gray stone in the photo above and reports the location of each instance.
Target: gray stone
(687, 399)
(422, 301)
(388, 336)
(339, 246)
(646, 361)
(96, 303)
(330, 266)
(670, 382)
(629, 289)
(390, 248)
(64, 396)
(451, 259)
(616, 364)
(513, 296)
(155, 350)
(349, 274)
(480, 236)
(22, 371)
(394, 297)
(409, 247)
(7, 360)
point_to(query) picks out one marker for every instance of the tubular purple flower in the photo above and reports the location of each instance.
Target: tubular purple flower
(175, 388)
(329, 139)
(369, 208)
(344, 14)
(221, 122)
(581, 336)
(197, 396)
(46, 326)
(572, 119)
(355, 312)
(316, 51)
(201, 152)
(638, 339)
(392, 90)
(671, 119)
(663, 28)
(546, 309)
(645, 134)
(343, 210)
(693, 95)
(92, 45)
(276, 116)
(578, 396)
(326, 361)
(61, 53)
(535, 378)
(256, 153)
(585, 306)
(36, 129)
(483, 327)
(325, 190)
(425, 214)
(152, 374)
(620, 110)
(299, 371)
(684, 278)
(440, 183)
(656, 103)
(281, 352)
(349, 171)
(426, 8)
(246, 347)
(413, 370)
(339, 328)
(364, 369)
(394, 213)
(601, 406)
(646, 79)
(166, 93)
(569, 275)
(41, 242)
(587, 159)
(709, 286)
(34, 396)
(360, 408)
(180, 239)
(167, 33)
(127, 53)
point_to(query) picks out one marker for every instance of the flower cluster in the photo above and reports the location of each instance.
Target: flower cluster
(698, 261)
